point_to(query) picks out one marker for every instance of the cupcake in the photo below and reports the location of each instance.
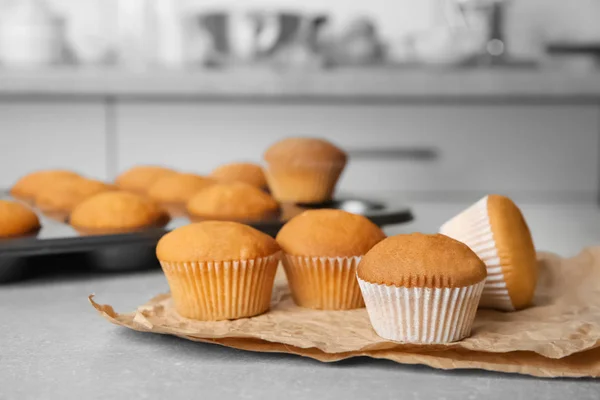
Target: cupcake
(219, 270)
(421, 288)
(16, 220)
(249, 173)
(27, 187)
(235, 201)
(139, 179)
(173, 191)
(495, 229)
(322, 249)
(59, 199)
(303, 170)
(117, 212)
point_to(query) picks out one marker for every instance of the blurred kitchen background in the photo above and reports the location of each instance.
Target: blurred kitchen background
(433, 99)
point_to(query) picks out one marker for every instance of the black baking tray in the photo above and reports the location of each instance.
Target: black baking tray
(21, 258)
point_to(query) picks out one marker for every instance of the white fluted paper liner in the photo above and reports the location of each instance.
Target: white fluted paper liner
(212, 291)
(324, 283)
(421, 315)
(472, 227)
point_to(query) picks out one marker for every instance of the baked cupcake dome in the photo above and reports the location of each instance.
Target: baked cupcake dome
(219, 270)
(173, 191)
(140, 178)
(304, 170)
(59, 199)
(496, 230)
(235, 201)
(421, 288)
(28, 186)
(322, 249)
(16, 219)
(249, 173)
(117, 212)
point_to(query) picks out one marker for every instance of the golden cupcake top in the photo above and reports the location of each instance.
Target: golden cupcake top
(419, 260)
(215, 241)
(329, 233)
(28, 186)
(178, 187)
(16, 219)
(65, 194)
(235, 201)
(249, 173)
(120, 211)
(139, 178)
(305, 151)
(515, 248)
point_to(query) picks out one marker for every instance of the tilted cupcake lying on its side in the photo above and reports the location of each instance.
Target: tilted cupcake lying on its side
(16, 220)
(234, 201)
(495, 229)
(322, 250)
(421, 288)
(117, 212)
(303, 170)
(219, 270)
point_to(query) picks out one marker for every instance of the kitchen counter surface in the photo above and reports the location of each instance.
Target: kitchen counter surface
(349, 84)
(53, 345)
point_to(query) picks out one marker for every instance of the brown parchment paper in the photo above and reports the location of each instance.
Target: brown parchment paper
(558, 336)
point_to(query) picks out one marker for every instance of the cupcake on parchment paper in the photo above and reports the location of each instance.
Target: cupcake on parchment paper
(28, 186)
(60, 198)
(138, 179)
(17, 220)
(173, 191)
(496, 230)
(219, 270)
(117, 212)
(304, 170)
(322, 249)
(234, 201)
(249, 173)
(421, 288)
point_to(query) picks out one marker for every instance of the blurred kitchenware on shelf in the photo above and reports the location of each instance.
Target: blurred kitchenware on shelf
(90, 34)
(488, 17)
(228, 37)
(298, 41)
(358, 44)
(573, 56)
(445, 46)
(171, 33)
(32, 35)
(137, 29)
(248, 36)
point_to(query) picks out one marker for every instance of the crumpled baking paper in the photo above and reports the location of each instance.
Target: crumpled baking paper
(557, 337)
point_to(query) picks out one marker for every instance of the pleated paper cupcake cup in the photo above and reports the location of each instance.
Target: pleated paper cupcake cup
(303, 184)
(324, 283)
(221, 290)
(473, 228)
(421, 315)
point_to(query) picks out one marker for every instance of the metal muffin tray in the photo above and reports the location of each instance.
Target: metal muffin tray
(57, 246)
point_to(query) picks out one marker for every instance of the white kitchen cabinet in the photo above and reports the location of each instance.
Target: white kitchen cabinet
(37, 135)
(534, 151)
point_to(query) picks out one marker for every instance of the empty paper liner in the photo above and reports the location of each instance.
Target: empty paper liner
(558, 337)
